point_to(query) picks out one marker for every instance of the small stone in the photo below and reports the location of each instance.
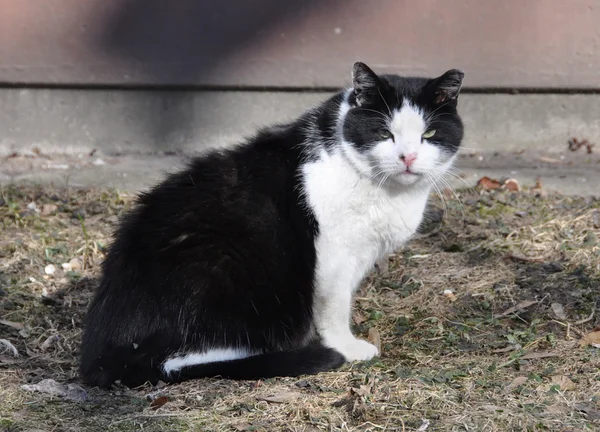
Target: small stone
(596, 218)
(50, 269)
(94, 208)
(32, 206)
(79, 213)
(75, 265)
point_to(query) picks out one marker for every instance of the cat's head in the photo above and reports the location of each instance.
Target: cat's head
(404, 129)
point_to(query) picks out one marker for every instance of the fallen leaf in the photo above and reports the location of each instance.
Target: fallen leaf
(49, 209)
(51, 340)
(592, 338)
(242, 426)
(363, 390)
(503, 350)
(12, 324)
(589, 410)
(518, 307)
(488, 183)
(358, 318)
(538, 355)
(557, 409)
(550, 160)
(286, 397)
(375, 338)
(158, 402)
(564, 382)
(512, 185)
(53, 388)
(559, 311)
(518, 381)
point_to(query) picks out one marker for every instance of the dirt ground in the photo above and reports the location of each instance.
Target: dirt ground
(488, 321)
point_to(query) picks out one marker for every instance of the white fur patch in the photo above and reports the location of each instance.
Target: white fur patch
(361, 220)
(216, 355)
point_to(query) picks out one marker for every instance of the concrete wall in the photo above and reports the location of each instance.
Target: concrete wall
(298, 43)
(113, 121)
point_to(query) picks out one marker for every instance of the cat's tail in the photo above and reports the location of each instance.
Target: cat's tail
(310, 359)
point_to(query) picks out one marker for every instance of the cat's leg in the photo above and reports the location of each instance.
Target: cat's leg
(337, 279)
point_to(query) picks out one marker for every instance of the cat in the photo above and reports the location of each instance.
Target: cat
(244, 264)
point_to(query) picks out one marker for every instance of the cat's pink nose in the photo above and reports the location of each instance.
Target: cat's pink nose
(408, 159)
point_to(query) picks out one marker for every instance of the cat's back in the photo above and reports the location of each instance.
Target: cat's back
(231, 212)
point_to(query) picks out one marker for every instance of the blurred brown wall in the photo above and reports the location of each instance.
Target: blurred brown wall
(301, 43)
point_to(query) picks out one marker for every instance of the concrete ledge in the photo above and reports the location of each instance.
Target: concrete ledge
(146, 122)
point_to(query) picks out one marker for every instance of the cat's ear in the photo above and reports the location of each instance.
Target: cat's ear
(447, 87)
(365, 82)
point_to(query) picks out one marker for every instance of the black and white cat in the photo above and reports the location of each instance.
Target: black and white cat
(244, 265)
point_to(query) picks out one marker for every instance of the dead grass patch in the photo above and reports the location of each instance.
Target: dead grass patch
(500, 353)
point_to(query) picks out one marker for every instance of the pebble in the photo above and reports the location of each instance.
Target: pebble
(596, 218)
(50, 269)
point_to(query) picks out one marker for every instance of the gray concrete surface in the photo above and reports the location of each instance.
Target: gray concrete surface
(144, 122)
(130, 139)
(569, 173)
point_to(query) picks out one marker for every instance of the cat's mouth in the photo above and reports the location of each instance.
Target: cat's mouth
(409, 173)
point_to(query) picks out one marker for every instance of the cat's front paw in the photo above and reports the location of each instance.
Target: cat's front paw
(357, 350)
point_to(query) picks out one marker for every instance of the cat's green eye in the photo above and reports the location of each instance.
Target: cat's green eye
(386, 134)
(428, 134)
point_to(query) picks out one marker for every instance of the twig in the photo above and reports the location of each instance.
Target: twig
(583, 321)
(85, 236)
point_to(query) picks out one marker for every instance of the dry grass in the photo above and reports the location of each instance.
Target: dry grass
(497, 354)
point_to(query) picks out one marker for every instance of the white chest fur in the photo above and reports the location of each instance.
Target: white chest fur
(359, 222)
(356, 215)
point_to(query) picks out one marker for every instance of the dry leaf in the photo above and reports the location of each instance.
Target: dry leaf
(592, 339)
(49, 209)
(550, 160)
(375, 338)
(512, 185)
(12, 324)
(590, 411)
(242, 426)
(503, 350)
(285, 397)
(358, 318)
(51, 387)
(488, 183)
(520, 380)
(520, 306)
(559, 311)
(564, 382)
(364, 390)
(538, 355)
(158, 402)
(51, 340)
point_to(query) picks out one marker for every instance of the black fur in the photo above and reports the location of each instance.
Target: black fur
(377, 96)
(223, 254)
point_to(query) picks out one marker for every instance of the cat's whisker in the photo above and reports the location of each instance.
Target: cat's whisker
(384, 101)
(439, 193)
